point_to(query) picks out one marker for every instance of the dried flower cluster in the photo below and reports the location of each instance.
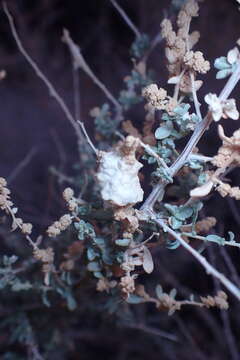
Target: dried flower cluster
(179, 44)
(135, 255)
(220, 300)
(68, 196)
(158, 99)
(196, 62)
(202, 226)
(46, 256)
(7, 205)
(58, 226)
(65, 220)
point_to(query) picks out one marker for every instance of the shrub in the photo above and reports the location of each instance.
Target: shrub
(113, 226)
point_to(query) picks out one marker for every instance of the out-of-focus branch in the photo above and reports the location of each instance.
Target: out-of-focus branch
(53, 92)
(80, 63)
(126, 18)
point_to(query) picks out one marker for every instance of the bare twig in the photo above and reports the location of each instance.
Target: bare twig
(76, 92)
(207, 266)
(60, 149)
(52, 91)
(22, 165)
(154, 331)
(80, 63)
(198, 237)
(155, 41)
(87, 137)
(230, 338)
(126, 18)
(230, 265)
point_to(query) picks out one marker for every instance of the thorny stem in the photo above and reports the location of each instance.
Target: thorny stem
(158, 191)
(53, 92)
(126, 18)
(208, 267)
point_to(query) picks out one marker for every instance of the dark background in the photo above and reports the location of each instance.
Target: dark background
(32, 123)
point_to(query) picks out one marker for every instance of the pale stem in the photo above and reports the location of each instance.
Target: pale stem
(53, 92)
(31, 242)
(154, 154)
(195, 99)
(80, 62)
(76, 93)
(177, 86)
(87, 137)
(202, 238)
(156, 40)
(22, 164)
(126, 18)
(208, 267)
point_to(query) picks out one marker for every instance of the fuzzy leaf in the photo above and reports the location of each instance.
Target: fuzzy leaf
(231, 236)
(122, 242)
(162, 132)
(91, 254)
(159, 291)
(222, 74)
(175, 223)
(93, 266)
(147, 260)
(134, 299)
(173, 245)
(216, 238)
(184, 212)
(173, 293)
(221, 63)
(98, 274)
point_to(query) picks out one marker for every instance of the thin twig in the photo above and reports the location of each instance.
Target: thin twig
(126, 18)
(19, 225)
(155, 41)
(230, 265)
(153, 154)
(195, 99)
(22, 165)
(76, 92)
(154, 331)
(87, 137)
(230, 338)
(53, 92)
(80, 63)
(208, 267)
(60, 149)
(198, 237)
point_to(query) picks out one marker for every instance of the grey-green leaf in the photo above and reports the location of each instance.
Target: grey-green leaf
(162, 132)
(222, 74)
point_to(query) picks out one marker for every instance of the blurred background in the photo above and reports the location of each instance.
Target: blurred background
(35, 136)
